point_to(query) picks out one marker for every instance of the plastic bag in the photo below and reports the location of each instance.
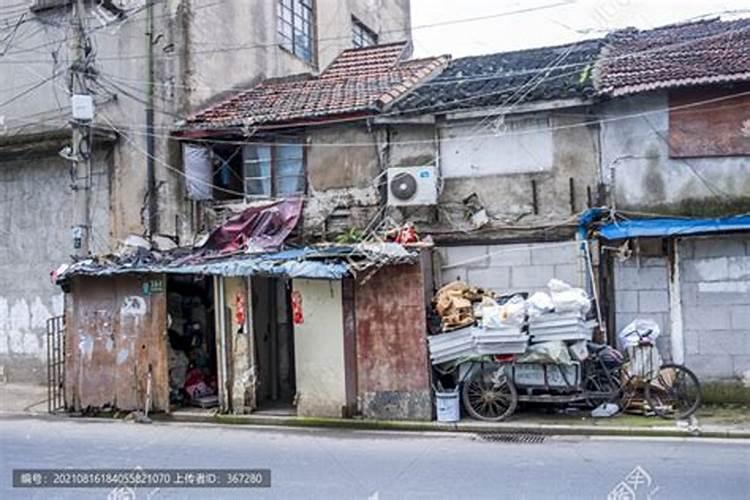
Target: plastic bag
(546, 352)
(567, 298)
(512, 313)
(646, 329)
(538, 304)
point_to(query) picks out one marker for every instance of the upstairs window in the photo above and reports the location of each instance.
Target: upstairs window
(295, 27)
(274, 170)
(362, 36)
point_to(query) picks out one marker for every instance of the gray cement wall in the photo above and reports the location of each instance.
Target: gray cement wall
(636, 165)
(715, 289)
(513, 268)
(36, 216)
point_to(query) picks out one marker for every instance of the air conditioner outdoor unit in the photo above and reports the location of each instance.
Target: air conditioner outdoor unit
(409, 186)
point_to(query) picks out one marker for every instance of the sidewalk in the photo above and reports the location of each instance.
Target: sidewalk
(711, 421)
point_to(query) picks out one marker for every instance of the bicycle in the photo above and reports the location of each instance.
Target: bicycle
(672, 391)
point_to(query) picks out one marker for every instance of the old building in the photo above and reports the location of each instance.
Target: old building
(173, 56)
(674, 111)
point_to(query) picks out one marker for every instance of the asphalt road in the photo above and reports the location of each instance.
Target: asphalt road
(379, 466)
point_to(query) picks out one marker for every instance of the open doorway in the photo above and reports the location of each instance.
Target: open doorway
(274, 346)
(192, 342)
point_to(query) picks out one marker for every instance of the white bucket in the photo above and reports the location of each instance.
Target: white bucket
(448, 409)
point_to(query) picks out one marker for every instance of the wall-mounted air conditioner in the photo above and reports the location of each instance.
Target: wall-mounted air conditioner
(409, 186)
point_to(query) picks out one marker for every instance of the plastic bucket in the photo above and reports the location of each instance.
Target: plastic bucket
(447, 406)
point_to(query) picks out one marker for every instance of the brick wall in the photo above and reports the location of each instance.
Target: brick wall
(513, 268)
(715, 290)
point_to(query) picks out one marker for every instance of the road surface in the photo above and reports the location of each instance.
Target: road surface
(365, 465)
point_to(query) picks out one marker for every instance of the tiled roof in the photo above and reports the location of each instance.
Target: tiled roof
(509, 78)
(703, 52)
(359, 81)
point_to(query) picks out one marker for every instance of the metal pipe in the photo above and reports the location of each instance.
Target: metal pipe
(152, 224)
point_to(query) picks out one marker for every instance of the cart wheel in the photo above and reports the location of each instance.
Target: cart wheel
(603, 388)
(489, 394)
(674, 393)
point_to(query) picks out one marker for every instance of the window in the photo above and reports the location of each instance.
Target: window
(362, 36)
(274, 170)
(295, 27)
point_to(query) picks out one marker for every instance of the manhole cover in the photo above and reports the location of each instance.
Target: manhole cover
(493, 437)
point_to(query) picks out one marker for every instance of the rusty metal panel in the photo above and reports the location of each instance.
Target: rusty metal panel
(719, 127)
(141, 342)
(391, 331)
(90, 344)
(116, 331)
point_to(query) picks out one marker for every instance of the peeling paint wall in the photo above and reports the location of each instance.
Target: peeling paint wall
(641, 176)
(114, 334)
(392, 360)
(500, 171)
(36, 216)
(342, 181)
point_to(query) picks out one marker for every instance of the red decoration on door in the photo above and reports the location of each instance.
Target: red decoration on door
(297, 315)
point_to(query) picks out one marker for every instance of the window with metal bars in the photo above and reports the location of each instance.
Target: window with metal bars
(362, 36)
(295, 27)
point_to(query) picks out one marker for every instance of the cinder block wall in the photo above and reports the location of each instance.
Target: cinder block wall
(642, 291)
(715, 290)
(513, 268)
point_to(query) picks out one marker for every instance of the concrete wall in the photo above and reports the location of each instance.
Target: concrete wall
(634, 149)
(342, 181)
(513, 268)
(715, 290)
(319, 349)
(502, 175)
(36, 217)
(392, 360)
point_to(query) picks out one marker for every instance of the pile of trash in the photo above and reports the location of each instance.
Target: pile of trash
(547, 327)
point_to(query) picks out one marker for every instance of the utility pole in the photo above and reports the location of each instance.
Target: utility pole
(81, 148)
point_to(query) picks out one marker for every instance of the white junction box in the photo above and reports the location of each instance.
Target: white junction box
(83, 107)
(409, 186)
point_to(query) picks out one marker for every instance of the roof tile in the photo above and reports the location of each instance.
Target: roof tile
(358, 81)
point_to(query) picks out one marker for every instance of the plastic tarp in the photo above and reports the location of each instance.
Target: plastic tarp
(259, 227)
(667, 226)
(198, 172)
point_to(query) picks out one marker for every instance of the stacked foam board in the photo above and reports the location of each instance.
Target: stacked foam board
(451, 345)
(475, 341)
(506, 340)
(560, 326)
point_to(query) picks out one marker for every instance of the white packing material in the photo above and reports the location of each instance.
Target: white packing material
(555, 352)
(512, 313)
(539, 304)
(636, 330)
(568, 298)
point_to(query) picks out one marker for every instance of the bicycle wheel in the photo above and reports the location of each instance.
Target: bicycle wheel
(674, 393)
(489, 394)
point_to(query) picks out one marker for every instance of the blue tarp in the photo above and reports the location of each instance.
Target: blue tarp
(669, 226)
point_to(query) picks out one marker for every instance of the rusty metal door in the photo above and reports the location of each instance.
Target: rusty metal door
(56, 364)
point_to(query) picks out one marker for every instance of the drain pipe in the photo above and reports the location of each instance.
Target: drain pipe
(152, 211)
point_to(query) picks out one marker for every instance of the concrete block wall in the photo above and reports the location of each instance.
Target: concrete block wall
(715, 291)
(642, 291)
(515, 267)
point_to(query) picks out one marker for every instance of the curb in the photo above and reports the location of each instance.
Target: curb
(466, 427)
(460, 427)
